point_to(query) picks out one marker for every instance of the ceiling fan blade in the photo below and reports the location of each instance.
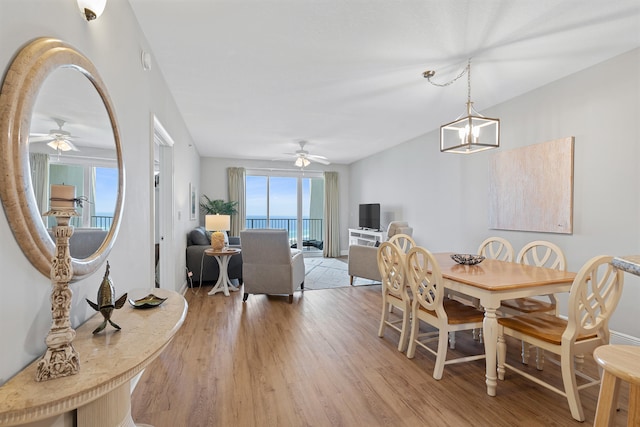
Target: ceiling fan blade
(43, 138)
(319, 159)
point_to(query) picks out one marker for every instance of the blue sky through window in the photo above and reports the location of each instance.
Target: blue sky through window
(282, 193)
(106, 191)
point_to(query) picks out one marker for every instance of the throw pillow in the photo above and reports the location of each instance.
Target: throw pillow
(198, 236)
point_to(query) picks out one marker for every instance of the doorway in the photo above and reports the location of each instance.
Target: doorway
(163, 188)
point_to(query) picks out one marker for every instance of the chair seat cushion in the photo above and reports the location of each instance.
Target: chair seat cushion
(528, 305)
(545, 327)
(458, 313)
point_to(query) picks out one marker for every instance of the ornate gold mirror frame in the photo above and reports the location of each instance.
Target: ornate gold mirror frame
(22, 82)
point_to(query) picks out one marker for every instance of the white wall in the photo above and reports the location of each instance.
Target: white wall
(113, 43)
(445, 196)
(214, 183)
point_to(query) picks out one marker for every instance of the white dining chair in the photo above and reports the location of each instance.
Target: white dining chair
(496, 248)
(541, 254)
(395, 292)
(430, 306)
(593, 297)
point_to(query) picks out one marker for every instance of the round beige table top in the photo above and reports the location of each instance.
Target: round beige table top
(225, 251)
(623, 361)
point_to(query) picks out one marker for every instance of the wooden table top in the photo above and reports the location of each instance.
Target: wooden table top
(225, 251)
(496, 275)
(621, 360)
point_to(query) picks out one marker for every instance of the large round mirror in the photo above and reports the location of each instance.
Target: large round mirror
(57, 126)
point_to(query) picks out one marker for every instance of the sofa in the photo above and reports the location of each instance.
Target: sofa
(363, 260)
(198, 240)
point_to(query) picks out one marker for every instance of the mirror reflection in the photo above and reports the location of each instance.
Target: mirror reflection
(71, 142)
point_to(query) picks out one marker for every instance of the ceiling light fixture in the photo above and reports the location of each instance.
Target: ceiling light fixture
(469, 133)
(60, 145)
(91, 9)
(302, 162)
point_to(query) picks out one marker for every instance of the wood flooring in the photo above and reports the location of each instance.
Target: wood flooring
(319, 362)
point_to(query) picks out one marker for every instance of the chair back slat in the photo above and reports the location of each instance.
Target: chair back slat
(403, 241)
(391, 263)
(425, 280)
(496, 248)
(594, 295)
(542, 254)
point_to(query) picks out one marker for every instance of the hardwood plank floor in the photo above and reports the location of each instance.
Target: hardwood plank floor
(319, 362)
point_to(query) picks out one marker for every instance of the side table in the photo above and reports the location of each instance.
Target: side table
(222, 257)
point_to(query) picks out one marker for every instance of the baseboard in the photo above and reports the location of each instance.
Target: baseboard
(624, 339)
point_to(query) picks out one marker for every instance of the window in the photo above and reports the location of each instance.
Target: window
(287, 201)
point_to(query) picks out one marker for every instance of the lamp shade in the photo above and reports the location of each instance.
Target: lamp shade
(217, 222)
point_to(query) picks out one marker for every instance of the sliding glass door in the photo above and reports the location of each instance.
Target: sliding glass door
(287, 201)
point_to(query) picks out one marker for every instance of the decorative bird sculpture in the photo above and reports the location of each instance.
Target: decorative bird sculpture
(107, 301)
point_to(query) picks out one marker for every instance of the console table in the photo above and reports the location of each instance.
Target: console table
(100, 394)
(365, 237)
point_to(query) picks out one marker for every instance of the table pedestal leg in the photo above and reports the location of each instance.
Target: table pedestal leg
(224, 283)
(490, 333)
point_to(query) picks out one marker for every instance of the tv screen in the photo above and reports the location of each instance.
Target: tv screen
(369, 216)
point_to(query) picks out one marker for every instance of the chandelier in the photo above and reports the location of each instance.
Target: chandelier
(470, 132)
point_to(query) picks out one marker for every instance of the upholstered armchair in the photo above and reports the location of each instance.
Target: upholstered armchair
(270, 266)
(362, 259)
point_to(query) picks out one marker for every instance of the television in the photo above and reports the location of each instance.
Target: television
(369, 216)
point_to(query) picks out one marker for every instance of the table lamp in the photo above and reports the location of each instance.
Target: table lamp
(217, 224)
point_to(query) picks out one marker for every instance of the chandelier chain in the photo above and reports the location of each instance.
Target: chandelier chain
(465, 70)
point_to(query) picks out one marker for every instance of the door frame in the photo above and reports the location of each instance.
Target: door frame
(165, 212)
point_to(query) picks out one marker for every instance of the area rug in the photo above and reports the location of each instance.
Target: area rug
(325, 273)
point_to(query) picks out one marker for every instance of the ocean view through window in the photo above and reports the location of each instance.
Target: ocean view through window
(294, 203)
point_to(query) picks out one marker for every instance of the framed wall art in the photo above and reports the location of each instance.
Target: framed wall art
(531, 188)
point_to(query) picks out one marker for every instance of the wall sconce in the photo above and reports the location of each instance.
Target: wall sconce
(91, 9)
(469, 133)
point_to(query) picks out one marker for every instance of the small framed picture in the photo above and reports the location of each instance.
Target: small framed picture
(193, 205)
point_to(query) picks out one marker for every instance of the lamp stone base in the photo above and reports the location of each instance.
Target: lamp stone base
(217, 241)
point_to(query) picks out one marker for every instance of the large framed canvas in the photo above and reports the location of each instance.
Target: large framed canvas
(531, 188)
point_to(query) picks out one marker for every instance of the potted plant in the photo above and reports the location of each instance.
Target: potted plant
(218, 206)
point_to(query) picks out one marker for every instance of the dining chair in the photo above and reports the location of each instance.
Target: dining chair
(403, 241)
(430, 306)
(541, 254)
(496, 248)
(593, 297)
(395, 293)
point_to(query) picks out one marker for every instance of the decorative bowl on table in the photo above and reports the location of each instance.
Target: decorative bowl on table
(147, 302)
(467, 259)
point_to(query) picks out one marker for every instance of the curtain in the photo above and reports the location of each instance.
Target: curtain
(236, 180)
(39, 163)
(331, 247)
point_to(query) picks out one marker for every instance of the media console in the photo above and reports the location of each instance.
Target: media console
(358, 236)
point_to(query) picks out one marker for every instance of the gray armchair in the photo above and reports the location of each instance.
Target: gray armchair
(363, 260)
(269, 265)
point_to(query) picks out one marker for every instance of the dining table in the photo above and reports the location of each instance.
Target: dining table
(493, 281)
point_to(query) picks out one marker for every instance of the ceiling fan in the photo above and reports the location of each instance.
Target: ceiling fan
(58, 139)
(304, 159)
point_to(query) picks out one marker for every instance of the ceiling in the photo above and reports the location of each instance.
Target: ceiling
(252, 77)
